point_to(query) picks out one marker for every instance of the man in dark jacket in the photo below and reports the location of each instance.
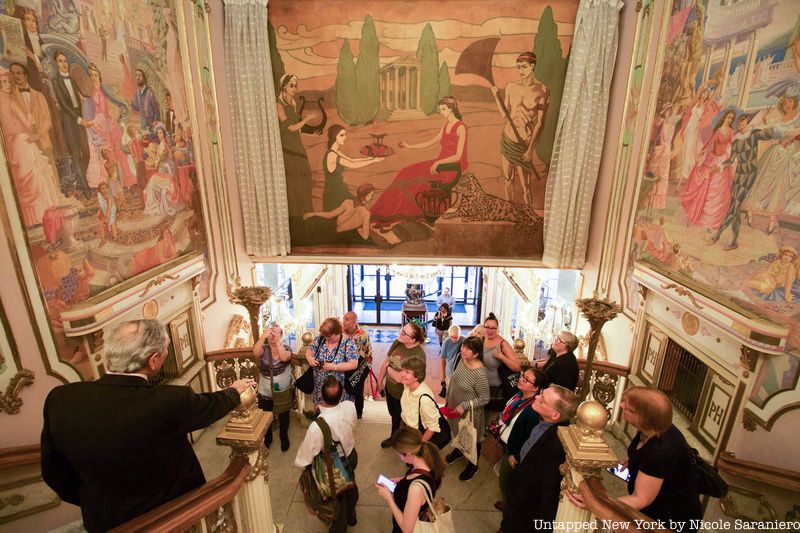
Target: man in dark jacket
(561, 368)
(117, 446)
(535, 483)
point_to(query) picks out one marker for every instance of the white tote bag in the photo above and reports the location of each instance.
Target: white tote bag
(438, 509)
(467, 438)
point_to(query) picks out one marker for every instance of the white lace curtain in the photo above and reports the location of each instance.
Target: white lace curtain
(579, 134)
(256, 139)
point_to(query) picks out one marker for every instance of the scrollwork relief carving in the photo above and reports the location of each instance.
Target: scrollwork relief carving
(14, 499)
(225, 372)
(604, 389)
(260, 467)
(10, 402)
(221, 521)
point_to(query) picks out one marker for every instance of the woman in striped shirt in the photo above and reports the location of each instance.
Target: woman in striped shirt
(469, 389)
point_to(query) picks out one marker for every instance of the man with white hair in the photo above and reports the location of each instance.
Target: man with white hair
(117, 446)
(451, 348)
(360, 336)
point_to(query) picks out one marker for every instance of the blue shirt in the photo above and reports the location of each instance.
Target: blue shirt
(536, 433)
(450, 351)
(449, 300)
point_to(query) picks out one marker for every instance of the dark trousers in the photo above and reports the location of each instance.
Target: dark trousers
(393, 405)
(283, 428)
(347, 502)
(359, 397)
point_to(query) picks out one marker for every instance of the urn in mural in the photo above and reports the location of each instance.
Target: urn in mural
(403, 99)
(97, 134)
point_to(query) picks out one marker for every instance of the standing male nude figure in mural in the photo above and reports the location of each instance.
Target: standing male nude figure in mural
(523, 107)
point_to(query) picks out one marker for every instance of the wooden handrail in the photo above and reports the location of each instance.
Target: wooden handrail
(29, 454)
(606, 508)
(781, 478)
(180, 513)
(229, 353)
(605, 366)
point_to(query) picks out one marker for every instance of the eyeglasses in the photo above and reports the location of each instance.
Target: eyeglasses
(404, 332)
(522, 377)
(559, 339)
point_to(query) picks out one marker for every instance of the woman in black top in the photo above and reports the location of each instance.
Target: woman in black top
(426, 466)
(442, 321)
(659, 461)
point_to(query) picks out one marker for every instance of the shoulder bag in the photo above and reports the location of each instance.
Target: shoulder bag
(443, 436)
(707, 480)
(438, 516)
(306, 382)
(327, 476)
(467, 437)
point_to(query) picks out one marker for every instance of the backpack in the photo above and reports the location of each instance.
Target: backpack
(328, 475)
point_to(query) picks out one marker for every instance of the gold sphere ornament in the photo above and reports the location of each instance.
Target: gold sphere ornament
(307, 337)
(592, 415)
(247, 399)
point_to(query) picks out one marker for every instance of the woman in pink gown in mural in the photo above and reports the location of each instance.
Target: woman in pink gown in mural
(707, 194)
(398, 201)
(103, 131)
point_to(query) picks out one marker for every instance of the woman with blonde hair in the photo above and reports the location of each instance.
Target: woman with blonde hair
(659, 461)
(426, 468)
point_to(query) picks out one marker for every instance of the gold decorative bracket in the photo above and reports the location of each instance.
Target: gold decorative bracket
(10, 402)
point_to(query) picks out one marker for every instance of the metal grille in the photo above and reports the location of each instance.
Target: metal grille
(682, 379)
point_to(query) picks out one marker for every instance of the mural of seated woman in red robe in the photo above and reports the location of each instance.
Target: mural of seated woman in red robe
(398, 201)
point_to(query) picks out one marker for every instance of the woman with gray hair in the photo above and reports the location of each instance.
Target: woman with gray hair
(561, 368)
(451, 347)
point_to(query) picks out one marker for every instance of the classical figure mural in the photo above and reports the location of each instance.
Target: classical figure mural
(719, 204)
(387, 110)
(99, 144)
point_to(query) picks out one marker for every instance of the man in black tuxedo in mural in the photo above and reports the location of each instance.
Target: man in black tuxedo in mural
(117, 446)
(69, 101)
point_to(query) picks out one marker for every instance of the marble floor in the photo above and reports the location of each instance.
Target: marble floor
(472, 501)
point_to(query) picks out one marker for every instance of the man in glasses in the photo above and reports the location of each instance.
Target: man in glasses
(561, 368)
(535, 482)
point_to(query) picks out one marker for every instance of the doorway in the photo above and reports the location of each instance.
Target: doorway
(377, 292)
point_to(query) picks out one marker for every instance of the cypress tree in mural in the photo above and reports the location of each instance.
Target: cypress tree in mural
(278, 69)
(428, 56)
(346, 96)
(444, 81)
(551, 69)
(367, 82)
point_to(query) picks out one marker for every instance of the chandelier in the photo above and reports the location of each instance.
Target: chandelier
(420, 273)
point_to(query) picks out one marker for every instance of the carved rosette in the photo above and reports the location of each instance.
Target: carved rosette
(604, 389)
(248, 368)
(10, 402)
(225, 371)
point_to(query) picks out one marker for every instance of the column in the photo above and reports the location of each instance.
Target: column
(726, 67)
(707, 62)
(408, 87)
(396, 87)
(587, 454)
(750, 64)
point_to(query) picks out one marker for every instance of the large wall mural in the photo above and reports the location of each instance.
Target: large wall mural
(419, 129)
(97, 134)
(719, 204)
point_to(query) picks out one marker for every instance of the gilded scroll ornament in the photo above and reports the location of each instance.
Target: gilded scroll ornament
(260, 467)
(10, 402)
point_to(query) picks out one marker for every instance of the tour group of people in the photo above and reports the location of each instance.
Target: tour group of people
(122, 423)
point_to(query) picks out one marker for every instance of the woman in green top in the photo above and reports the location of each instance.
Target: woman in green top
(333, 164)
(295, 158)
(406, 345)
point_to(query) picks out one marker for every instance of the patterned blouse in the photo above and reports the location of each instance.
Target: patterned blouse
(346, 352)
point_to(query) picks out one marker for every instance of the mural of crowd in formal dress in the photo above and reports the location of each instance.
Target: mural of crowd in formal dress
(99, 144)
(424, 129)
(719, 204)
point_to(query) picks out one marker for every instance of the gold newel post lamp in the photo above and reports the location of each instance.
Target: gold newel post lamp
(245, 429)
(597, 312)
